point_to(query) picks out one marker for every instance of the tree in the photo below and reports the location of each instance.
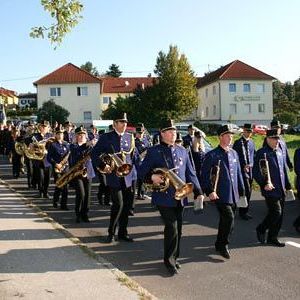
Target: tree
(113, 71)
(52, 112)
(88, 66)
(66, 15)
(289, 91)
(297, 90)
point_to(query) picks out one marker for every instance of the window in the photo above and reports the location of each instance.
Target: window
(232, 87)
(106, 100)
(248, 108)
(214, 90)
(87, 115)
(246, 88)
(206, 111)
(261, 108)
(214, 110)
(232, 108)
(206, 93)
(260, 88)
(55, 92)
(82, 91)
(23, 101)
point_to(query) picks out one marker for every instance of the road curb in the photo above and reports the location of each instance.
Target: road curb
(120, 276)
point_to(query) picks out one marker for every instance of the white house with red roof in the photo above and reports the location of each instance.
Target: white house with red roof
(236, 92)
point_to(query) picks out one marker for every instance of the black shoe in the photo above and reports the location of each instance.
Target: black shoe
(85, 219)
(78, 219)
(224, 252)
(178, 265)
(261, 236)
(109, 239)
(63, 207)
(246, 217)
(276, 243)
(131, 212)
(55, 204)
(125, 238)
(171, 269)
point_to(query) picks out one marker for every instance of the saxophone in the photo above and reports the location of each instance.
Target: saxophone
(63, 163)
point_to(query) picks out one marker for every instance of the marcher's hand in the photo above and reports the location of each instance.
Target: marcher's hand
(213, 196)
(157, 178)
(58, 166)
(247, 168)
(269, 187)
(107, 169)
(200, 198)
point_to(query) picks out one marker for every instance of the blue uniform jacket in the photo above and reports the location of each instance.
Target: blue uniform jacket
(163, 156)
(111, 142)
(187, 141)
(57, 151)
(278, 172)
(230, 185)
(297, 167)
(246, 151)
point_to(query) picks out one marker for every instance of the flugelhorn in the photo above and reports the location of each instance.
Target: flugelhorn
(264, 169)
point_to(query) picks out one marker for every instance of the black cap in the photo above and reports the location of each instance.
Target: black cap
(80, 130)
(273, 133)
(167, 124)
(59, 129)
(275, 124)
(224, 129)
(248, 127)
(68, 123)
(178, 137)
(44, 123)
(140, 125)
(121, 116)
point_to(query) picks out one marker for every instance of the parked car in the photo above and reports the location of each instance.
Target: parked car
(296, 128)
(260, 129)
(236, 129)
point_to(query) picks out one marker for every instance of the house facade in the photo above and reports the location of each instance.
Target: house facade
(8, 98)
(74, 89)
(236, 93)
(27, 100)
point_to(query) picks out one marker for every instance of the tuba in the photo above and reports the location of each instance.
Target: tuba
(38, 149)
(116, 164)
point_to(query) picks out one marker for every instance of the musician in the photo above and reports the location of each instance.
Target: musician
(229, 185)
(121, 190)
(296, 223)
(58, 157)
(273, 182)
(93, 134)
(245, 148)
(81, 184)
(15, 157)
(169, 155)
(69, 134)
(188, 139)
(41, 168)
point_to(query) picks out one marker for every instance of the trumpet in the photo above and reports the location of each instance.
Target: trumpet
(116, 164)
(182, 189)
(264, 169)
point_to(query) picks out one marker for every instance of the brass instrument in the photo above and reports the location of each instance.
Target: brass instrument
(215, 175)
(116, 164)
(264, 169)
(182, 189)
(20, 147)
(63, 163)
(77, 170)
(38, 149)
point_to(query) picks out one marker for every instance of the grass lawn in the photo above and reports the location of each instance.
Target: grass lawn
(292, 141)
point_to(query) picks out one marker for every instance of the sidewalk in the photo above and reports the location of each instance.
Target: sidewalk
(38, 261)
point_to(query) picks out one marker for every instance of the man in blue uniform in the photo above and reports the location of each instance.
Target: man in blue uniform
(245, 148)
(120, 143)
(224, 185)
(270, 172)
(69, 134)
(58, 154)
(188, 139)
(169, 155)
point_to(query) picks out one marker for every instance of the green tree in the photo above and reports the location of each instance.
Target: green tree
(120, 105)
(289, 91)
(113, 71)
(52, 112)
(66, 15)
(297, 90)
(88, 66)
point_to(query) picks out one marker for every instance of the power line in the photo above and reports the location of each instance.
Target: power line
(22, 78)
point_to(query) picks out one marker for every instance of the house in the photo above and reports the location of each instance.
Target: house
(27, 100)
(9, 98)
(237, 93)
(112, 88)
(74, 89)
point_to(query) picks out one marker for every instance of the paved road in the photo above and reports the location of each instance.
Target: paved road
(253, 272)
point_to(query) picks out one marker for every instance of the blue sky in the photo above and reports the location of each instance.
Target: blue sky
(264, 34)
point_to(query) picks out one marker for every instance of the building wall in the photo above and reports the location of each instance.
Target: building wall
(110, 98)
(75, 104)
(239, 106)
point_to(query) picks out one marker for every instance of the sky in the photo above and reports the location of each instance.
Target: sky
(261, 33)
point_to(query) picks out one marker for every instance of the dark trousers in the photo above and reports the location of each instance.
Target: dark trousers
(60, 191)
(273, 219)
(121, 202)
(103, 189)
(172, 218)
(16, 164)
(43, 179)
(140, 188)
(82, 186)
(226, 223)
(29, 170)
(248, 191)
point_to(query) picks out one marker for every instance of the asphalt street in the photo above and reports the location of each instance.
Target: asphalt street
(253, 272)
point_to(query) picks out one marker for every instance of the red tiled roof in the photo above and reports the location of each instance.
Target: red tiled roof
(68, 73)
(234, 70)
(6, 92)
(124, 84)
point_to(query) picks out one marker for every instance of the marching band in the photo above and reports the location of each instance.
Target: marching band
(174, 169)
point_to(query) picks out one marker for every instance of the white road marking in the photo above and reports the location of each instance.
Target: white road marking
(297, 245)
